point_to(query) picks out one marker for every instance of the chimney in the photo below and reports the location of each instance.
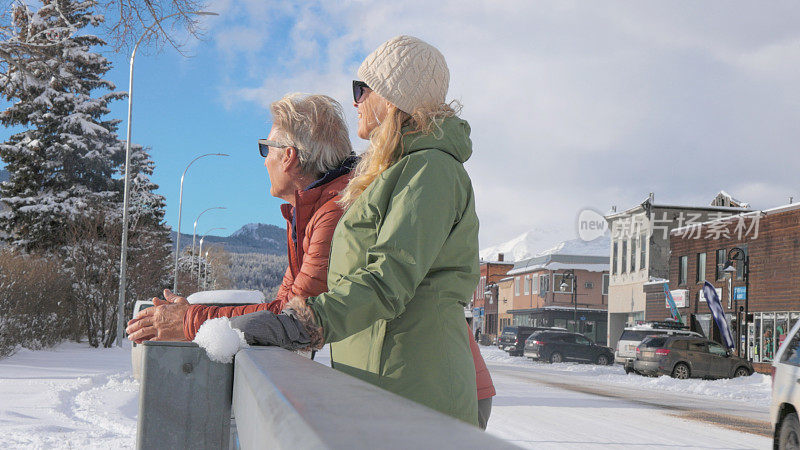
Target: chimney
(500, 257)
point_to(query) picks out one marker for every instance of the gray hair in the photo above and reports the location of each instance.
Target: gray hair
(315, 126)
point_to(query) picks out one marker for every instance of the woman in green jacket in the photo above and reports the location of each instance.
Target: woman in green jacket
(404, 256)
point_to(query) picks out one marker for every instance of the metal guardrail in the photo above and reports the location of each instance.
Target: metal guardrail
(280, 400)
(184, 399)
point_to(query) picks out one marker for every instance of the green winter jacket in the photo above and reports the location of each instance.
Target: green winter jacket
(404, 261)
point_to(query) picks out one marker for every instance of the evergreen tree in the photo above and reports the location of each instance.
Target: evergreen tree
(62, 165)
(149, 245)
(64, 195)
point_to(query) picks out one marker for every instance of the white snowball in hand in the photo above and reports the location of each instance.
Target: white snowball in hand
(220, 340)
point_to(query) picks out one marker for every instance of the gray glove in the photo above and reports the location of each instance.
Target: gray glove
(267, 328)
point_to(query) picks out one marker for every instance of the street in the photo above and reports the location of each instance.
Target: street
(542, 406)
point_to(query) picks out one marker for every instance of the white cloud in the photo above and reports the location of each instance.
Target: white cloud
(572, 104)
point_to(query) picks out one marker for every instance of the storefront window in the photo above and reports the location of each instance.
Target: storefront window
(755, 338)
(572, 326)
(793, 318)
(705, 323)
(590, 331)
(767, 337)
(781, 329)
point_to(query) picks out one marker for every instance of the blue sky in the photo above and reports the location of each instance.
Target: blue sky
(572, 104)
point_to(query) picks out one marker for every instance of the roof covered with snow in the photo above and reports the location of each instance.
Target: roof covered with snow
(733, 206)
(574, 254)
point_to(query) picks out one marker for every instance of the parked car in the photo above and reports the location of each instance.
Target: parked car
(688, 357)
(632, 336)
(785, 393)
(558, 346)
(512, 339)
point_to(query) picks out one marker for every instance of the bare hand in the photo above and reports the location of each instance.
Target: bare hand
(161, 322)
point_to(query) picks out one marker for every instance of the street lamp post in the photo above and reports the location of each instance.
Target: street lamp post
(728, 273)
(123, 266)
(194, 232)
(739, 254)
(180, 210)
(199, 264)
(491, 295)
(570, 275)
(205, 278)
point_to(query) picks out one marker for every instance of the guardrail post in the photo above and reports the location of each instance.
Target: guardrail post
(184, 399)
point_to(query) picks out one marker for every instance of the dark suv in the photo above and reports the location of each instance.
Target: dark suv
(686, 357)
(512, 339)
(555, 347)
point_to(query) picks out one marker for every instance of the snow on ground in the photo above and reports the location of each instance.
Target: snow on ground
(74, 396)
(756, 388)
(71, 396)
(534, 415)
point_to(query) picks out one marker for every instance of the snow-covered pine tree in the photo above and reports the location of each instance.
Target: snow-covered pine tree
(149, 244)
(62, 165)
(63, 196)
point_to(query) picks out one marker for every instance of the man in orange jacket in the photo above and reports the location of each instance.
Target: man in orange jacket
(308, 157)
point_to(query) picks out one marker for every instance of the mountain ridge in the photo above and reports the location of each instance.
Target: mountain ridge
(261, 238)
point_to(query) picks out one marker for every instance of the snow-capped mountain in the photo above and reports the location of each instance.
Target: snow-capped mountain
(538, 243)
(251, 238)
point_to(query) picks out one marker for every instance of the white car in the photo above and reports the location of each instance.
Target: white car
(216, 298)
(625, 353)
(786, 392)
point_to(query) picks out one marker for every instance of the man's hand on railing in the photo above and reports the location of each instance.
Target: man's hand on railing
(161, 322)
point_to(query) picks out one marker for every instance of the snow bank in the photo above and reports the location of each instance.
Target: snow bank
(220, 340)
(756, 388)
(70, 396)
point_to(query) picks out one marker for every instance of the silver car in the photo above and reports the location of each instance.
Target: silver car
(786, 392)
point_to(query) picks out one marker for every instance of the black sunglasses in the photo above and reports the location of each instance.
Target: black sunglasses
(358, 90)
(265, 144)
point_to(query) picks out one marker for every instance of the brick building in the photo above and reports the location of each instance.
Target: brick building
(771, 240)
(640, 251)
(536, 296)
(485, 297)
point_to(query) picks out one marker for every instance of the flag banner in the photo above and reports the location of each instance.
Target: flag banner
(673, 308)
(712, 300)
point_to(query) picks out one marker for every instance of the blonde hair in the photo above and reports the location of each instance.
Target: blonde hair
(316, 126)
(385, 142)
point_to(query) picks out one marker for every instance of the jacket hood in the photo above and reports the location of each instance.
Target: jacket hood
(452, 138)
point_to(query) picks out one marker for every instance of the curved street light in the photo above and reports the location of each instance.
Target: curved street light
(201, 249)
(739, 254)
(123, 266)
(569, 274)
(180, 212)
(194, 233)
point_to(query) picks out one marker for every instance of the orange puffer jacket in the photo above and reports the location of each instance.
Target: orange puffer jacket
(482, 377)
(317, 214)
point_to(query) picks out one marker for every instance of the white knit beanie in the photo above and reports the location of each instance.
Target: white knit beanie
(408, 72)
